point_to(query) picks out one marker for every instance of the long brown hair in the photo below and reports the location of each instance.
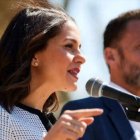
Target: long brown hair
(27, 33)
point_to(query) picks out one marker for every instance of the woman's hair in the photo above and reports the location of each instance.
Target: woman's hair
(28, 32)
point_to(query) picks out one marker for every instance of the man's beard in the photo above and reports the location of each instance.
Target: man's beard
(130, 70)
(131, 73)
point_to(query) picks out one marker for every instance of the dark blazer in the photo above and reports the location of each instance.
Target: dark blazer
(111, 125)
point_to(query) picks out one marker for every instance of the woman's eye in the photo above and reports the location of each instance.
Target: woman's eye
(69, 46)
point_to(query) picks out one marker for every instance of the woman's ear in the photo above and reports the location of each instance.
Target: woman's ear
(34, 62)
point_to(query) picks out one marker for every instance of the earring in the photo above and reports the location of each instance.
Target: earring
(36, 64)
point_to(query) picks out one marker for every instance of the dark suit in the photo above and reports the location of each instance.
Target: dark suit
(111, 125)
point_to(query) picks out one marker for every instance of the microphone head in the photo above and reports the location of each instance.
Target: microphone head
(93, 86)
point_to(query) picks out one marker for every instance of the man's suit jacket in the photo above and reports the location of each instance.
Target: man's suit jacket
(111, 125)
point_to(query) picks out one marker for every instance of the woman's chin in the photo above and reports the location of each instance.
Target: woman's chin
(71, 88)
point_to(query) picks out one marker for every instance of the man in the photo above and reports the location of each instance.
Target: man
(122, 55)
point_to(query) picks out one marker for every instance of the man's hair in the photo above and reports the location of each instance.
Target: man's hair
(116, 27)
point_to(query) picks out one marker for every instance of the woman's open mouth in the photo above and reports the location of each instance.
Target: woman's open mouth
(74, 72)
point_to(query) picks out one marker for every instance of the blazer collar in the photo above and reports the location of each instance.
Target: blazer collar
(119, 119)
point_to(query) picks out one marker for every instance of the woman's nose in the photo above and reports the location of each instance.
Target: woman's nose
(79, 58)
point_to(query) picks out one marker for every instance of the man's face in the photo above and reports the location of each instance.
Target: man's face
(129, 53)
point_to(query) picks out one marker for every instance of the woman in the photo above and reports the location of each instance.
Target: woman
(40, 55)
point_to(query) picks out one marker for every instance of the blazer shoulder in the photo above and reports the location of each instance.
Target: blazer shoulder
(89, 102)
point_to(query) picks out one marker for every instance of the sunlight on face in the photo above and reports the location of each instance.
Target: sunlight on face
(130, 54)
(60, 62)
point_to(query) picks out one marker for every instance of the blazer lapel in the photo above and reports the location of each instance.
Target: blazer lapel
(119, 119)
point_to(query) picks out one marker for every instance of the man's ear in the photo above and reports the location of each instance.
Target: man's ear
(111, 55)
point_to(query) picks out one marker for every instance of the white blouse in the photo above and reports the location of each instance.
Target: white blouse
(24, 123)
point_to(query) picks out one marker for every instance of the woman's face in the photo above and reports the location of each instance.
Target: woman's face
(60, 63)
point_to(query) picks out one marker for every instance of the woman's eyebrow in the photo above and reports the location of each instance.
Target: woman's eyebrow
(72, 40)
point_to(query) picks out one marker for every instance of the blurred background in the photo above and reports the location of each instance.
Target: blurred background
(91, 16)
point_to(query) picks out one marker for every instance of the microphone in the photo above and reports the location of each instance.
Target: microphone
(95, 87)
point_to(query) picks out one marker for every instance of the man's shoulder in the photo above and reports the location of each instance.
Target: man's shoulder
(90, 102)
(92, 99)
